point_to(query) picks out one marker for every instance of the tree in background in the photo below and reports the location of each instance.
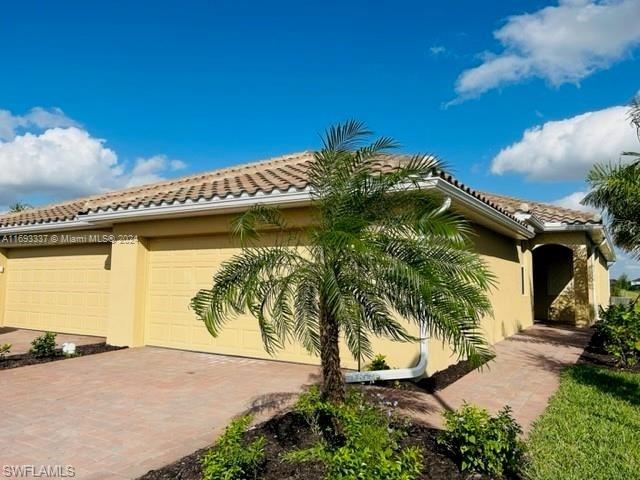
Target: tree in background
(620, 284)
(379, 246)
(615, 188)
(19, 207)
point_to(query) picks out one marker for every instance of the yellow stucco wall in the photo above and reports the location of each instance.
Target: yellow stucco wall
(602, 283)
(127, 288)
(512, 309)
(178, 266)
(150, 280)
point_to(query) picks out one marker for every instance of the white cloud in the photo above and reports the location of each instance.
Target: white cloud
(60, 162)
(573, 200)
(177, 165)
(64, 160)
(566, 149)
(561, 44)
(149, 170)
(36, 118)
(436, 50)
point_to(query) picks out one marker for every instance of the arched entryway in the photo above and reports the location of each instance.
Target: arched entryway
(553, 284)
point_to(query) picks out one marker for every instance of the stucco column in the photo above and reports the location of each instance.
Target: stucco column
(125, 323)
(582, 285)
(3, 283)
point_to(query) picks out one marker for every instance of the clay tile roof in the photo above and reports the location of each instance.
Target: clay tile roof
(49, 213)
(544, 211)
(283, 173)
(279, 173)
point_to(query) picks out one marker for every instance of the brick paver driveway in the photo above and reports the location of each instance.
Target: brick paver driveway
(122, 413)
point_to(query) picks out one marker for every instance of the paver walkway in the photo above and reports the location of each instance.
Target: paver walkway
(119, 414)
(524, 374)
(20, 339)
(122, 413)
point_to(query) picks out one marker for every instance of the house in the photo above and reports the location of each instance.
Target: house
(60, 270)
(635, 283)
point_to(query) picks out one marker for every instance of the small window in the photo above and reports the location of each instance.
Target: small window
(522, 280)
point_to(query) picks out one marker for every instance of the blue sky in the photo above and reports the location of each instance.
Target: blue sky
(177, 87)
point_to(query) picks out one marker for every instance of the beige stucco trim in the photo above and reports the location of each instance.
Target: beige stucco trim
(125, 324)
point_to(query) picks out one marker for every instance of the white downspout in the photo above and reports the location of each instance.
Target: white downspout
(401, 373)
(396, 373)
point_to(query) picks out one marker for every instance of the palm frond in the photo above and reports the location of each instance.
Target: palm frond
(247, 283)
(245, 226)
(634, 114)
(345, 137)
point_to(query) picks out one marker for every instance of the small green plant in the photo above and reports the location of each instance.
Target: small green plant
(619, 331)
(4, 350)
(358, 440)
(231, 458)
(44, 345)
(482, 443)
(379, 362)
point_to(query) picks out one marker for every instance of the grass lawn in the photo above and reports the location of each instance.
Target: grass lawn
(591, 429)
(629, 293)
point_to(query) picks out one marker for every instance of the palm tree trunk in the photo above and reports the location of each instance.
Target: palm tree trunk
(333, 389)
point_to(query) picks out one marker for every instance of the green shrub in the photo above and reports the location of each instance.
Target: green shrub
(44, 345)
(379, 362)
(482, 443)
(619, 331)
(4, 350)
(231, 458)
(365, 445)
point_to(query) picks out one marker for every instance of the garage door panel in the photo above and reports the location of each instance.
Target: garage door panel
(178, 268)
(62, 289)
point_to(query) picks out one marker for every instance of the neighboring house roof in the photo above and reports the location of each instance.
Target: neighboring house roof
(281, 174)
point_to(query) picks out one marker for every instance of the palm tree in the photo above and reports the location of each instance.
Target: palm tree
(615, 188)
(19, 207)
(634, 117)
(380, 247)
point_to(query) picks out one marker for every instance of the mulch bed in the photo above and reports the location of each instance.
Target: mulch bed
(435, 382)
(24, 359)
(290, 431)
(595, 354)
